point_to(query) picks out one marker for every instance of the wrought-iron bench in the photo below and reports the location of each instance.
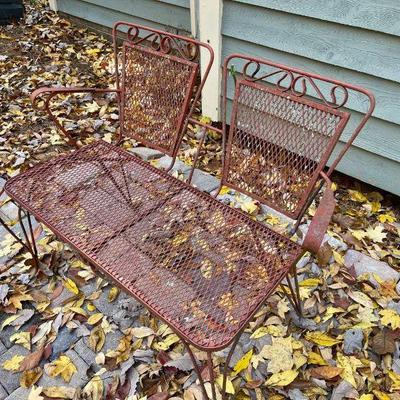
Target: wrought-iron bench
(199, 265)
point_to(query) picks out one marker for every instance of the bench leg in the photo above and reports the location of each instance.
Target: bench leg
(210, 366)
(294, 296)
(29, 243)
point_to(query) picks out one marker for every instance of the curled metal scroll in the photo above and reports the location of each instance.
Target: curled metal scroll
(297, 84)
(164, 44)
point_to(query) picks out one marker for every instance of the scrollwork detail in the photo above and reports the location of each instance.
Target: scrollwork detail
(298, 85)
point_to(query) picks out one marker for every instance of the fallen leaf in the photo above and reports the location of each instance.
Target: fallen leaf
(282, 378)
(61, 366)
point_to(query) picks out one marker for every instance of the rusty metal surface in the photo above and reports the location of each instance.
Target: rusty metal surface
(156, 92)
(198, 264)
(285, 124)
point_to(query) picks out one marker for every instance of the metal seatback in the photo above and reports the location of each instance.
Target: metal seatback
(159, 82)
(281, 136)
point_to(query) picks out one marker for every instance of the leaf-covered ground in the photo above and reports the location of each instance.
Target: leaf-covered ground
(80, 338)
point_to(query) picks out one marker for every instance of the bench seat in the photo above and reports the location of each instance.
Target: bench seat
(199, 265)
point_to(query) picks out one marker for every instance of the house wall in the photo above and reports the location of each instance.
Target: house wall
(352, 40)
(174, 14)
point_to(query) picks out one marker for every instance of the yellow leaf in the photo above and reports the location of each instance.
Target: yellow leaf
(95, 318)
(78, 310)
(70, 285)
(381, 395)
(357, 196)
(60, 392)
(9, 320)
(279, 353)
(62, 366)
(92, 52)
(259, 332)
(322, 339)
(94, 389)
(315, 358)
(282, 378)
(349, 366)
(390, 318)
(35, 392)
(97, 338)
(395, 378)
(376, 234)
(367, 397)
(30, 377)
(113, 294)
(90, 307)
(13, 363)
(338, 257)
(244, 362)
(224, 190)
(358, 234)
(389, 217)
(249, 206)
(310, 282)
(229, 386)
(23, 338)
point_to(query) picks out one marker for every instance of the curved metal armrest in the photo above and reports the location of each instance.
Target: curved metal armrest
(53, 91)
(321, 219)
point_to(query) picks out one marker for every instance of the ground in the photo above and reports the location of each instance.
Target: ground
(66, 333)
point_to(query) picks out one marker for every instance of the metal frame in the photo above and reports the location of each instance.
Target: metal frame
(299, 81)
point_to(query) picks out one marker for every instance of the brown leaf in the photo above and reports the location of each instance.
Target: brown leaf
(383, 343)
(159, 396)
(324, 254)
(326, 372)
(32, 360)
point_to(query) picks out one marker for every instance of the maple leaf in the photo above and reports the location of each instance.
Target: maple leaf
(61, 366)
(13, 363)
(279, 354)
(376, 234)
(390, 318)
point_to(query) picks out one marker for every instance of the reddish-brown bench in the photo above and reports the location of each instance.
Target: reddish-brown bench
(199, 265)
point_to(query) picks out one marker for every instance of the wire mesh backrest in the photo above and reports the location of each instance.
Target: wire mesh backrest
(158, 75)
(279, 139)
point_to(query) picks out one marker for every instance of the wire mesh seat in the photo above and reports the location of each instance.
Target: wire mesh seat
(200, 265)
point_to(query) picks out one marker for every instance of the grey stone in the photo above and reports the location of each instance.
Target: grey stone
(362, 264)
(146, 153)
(64, 340)
(204, 181)
(78, 379)
(3, 393)
(296, 394)
(396, 359)
(165, 162)
(2, 347)
(335, 243)
(353, 341)
(8, 379)
(19, 394)
(344, 390)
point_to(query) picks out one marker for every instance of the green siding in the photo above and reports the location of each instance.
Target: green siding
(161, 14)
(352, 40)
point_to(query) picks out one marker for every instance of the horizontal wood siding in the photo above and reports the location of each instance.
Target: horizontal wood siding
(352, 40)
(162, 14)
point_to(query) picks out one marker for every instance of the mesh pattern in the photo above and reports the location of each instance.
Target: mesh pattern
(199, 264)
(157, 88)
(277, 146)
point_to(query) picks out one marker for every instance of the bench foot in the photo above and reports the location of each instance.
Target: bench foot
(28, 241)
(210, 366)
